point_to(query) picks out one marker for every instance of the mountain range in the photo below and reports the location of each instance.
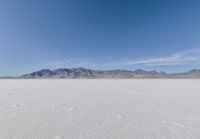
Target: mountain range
(83, 73)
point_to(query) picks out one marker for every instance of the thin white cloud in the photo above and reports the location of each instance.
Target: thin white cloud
(187, 57)
(191, 56)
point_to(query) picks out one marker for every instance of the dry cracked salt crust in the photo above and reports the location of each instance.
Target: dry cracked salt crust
(99, 109)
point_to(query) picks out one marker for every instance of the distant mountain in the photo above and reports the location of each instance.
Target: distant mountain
(63, 73)
(45, 73)
(83, 73)
(192, 74)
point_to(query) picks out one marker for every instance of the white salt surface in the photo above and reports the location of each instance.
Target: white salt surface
(99, 109)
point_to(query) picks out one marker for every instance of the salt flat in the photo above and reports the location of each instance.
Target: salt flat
(100, 109)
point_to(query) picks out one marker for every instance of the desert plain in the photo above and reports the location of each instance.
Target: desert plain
(99, 109)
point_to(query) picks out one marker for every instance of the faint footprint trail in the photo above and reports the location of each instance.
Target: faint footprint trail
(138, 93)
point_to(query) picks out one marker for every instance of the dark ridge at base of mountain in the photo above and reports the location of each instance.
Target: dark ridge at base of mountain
(8, 77)
(83, 73)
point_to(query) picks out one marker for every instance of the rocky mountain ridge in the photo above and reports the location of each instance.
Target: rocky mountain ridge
(83, 73)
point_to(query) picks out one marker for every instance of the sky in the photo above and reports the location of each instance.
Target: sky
(162, 35)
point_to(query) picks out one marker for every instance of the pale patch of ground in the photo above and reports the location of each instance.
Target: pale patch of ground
(100, 109)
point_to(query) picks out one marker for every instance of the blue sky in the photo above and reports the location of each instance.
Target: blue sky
(99, 34)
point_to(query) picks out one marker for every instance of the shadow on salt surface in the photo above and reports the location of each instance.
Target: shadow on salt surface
(15, 105)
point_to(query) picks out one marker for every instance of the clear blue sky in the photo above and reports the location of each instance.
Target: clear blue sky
(99, 34)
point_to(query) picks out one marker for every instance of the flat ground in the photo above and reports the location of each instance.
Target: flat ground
(99, 109)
